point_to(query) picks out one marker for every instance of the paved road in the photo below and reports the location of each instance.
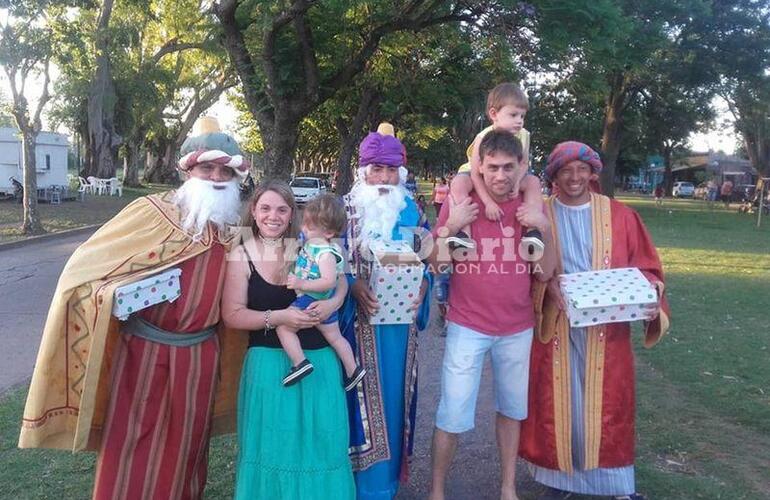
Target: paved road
(28, 277)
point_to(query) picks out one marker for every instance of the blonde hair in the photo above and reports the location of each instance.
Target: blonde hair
(507, 93)
(327, 212)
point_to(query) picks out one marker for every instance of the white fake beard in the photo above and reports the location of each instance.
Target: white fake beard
(200, 203)
(377, 212)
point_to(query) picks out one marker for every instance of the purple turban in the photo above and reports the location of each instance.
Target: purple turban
(569, 151)
(380, 150)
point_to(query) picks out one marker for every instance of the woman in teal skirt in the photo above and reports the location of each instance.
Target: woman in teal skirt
(293, 441)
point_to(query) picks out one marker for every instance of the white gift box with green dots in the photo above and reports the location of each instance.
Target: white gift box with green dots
(163, 287)
(395, 279)
(608, 296)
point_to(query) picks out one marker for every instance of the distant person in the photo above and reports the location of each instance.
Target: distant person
(711, 192)
(440, 193)
(411, 185)
(421, 203)
(659, 192)
(726, 192)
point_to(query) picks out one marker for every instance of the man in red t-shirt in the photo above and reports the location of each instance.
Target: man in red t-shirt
(490, 310)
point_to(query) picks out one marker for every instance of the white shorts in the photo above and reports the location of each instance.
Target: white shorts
(461, 375)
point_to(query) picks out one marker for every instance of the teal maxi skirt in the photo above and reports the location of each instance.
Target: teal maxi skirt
(293, 441)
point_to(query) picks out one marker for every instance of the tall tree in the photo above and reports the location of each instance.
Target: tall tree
(739, 43)
(166, 69)
(292, 57)
(25, 55)
(749, 103)
(102, 139)
(672, 111)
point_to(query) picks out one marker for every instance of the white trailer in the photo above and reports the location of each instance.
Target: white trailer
(50, 155)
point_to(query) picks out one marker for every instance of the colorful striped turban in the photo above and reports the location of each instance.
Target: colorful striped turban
(212, 146)
(569, 151)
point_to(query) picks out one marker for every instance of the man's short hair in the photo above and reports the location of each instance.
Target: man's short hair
(507, 93)
(500, 141)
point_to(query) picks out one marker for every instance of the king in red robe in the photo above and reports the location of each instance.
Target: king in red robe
(579, 435)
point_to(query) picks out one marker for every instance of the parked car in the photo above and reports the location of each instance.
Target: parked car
(306, 188)
(683, 190)
(325, 178)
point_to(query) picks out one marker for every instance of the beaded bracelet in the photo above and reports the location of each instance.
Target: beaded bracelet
(268, 326)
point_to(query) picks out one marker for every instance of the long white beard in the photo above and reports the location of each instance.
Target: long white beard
(200, 203)
(377, 212)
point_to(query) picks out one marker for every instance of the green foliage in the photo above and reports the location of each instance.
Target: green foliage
(166, 66)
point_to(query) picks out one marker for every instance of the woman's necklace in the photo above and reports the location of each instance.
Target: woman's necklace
(270, 242)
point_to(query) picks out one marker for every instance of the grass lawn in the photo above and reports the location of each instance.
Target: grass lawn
(703, 393)
(70, 214)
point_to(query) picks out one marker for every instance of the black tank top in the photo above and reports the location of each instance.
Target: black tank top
(263, 296)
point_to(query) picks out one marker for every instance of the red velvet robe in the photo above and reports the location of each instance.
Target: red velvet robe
(619, 240)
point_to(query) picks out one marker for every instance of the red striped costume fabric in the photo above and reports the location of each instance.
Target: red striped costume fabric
(156, 435)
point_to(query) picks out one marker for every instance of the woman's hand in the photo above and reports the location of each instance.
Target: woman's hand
(294, 318)
(322, 309)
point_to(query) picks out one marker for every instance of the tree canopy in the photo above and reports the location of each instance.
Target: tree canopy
(309, 77)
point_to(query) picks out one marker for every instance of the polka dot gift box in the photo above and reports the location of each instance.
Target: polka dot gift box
(609, 296)
(395, 279)
(145, 293)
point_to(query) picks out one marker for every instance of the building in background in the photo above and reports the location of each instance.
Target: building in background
(50, 153)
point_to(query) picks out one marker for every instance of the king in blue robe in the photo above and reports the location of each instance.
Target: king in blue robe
(382, 409)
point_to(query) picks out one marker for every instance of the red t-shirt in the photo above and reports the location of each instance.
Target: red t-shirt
(489, 289)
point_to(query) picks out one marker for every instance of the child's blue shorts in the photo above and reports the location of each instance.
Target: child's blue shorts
(303, 301)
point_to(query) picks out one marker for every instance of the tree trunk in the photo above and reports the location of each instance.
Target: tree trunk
(31, 224)
(103, 140)
(350, 138)
(131, 165)
(758, 151)
(279, 137)
(163, 169)
(668, 175)
(613, 124)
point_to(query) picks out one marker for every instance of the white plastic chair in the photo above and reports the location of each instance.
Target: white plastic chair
(95, 184)
(83, 188)
(116, 186)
